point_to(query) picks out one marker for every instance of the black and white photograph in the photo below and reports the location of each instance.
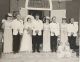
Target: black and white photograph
(39, 30)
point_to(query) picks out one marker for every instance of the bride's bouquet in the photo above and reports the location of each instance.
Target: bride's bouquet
(37, 31)
(29, 30)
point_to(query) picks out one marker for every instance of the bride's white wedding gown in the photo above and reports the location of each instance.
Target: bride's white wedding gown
(26, 44)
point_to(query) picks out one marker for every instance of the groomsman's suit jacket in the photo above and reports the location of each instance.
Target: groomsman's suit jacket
(17, 26)
(72, 28)
(37, 25)
(55, 29)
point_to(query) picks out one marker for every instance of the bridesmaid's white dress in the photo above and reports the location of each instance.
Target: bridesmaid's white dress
(26, 44)
(46, 38)
(7, 37)
(64, 47)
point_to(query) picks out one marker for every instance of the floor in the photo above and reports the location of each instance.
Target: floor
(36, 57)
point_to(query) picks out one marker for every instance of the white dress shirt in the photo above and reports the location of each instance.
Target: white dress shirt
(17, 26)
(72, 28)
(37, 25)
(55, 29)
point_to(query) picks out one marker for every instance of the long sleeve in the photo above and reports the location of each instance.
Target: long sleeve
(21, 28)
(75, 28)
(52, 29)
(41, 26)
(70, 29)
(58, 29)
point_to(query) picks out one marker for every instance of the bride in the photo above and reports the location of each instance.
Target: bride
(26, 44)
(64, 47)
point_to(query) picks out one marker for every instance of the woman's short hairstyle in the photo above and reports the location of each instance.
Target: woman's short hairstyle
(28, 18)
(46, 18)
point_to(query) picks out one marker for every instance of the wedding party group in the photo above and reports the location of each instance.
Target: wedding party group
(34, 35)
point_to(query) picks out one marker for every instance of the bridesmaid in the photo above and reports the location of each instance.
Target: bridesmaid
(46, 36)
(7, 34)
(26, 45)
(64, 47)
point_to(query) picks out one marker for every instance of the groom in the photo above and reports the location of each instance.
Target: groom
(37, 33)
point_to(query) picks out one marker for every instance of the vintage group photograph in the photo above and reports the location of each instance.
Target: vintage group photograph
(39, 30)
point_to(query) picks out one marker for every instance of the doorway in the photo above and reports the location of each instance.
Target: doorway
(41, 13)
(36, 12)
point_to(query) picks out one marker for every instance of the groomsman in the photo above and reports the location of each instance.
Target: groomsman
(37, 33)
(72, 33)
(17, 26)
(55, 32)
